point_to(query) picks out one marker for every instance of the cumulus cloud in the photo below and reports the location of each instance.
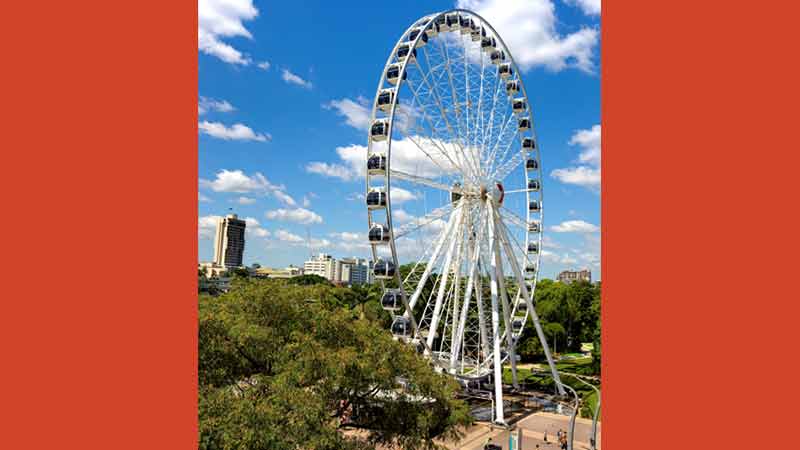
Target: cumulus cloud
(587, 172)
(589, 7)
(356, 113)
(203, 198)
(528, 27)
(253, 228)
(239, 182)
(575, 226)
(221, 19)
(292, 78)
(400, 195)
(284, 198)
(205, 104)
(207, 226)
(236, 132)
(263, 65)
(286, 236)
(245, 200)
(297, 215)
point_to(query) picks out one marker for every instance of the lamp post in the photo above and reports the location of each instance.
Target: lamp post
(593, 441)
(571, 430)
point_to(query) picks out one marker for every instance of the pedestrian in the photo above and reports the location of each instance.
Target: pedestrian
(487, 443)
(545, 436)
(564, 445)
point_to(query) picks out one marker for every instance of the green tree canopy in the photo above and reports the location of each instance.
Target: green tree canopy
(283, 366)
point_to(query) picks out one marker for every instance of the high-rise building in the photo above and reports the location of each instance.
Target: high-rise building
(323, 265)
(229, 241)
(569, 276)
(354, 271)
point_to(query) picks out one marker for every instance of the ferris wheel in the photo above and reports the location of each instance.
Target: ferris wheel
(454, 193)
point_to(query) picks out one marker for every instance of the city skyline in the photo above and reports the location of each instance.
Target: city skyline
(283, 123)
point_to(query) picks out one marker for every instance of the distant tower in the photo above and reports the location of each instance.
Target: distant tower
(229, 241)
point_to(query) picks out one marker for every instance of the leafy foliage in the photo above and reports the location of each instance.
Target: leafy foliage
(287, 366)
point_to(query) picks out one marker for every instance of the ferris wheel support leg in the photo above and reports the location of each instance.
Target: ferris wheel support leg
(534, 316)
(448, 261)
(506, 313)
(498, 368)
(431, 262)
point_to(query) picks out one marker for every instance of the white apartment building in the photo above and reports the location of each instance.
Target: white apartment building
(323, 265)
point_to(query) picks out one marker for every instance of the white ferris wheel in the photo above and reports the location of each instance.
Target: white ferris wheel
(454, 189)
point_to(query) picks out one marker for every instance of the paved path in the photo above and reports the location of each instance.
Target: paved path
(533, 428)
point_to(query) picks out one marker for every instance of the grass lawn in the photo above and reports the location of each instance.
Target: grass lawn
(543, 382)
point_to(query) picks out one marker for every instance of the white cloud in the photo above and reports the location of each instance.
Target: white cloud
(238, 182)
(587, 173)
(298, 215)
(528, 27)
(219, 19)
(348, 236)
(286, 236)
(253, 228)
(400, 195)
(284, 198)
(306, 201)
(203, 198)
(236, 132)
(356, 113)
(291, 78)
(401, 216)
(206, 104)
(245, 200)
(575, 226)
(263, 65)
(406, 157)
(332, 170)
(207, 226)
(589, 7)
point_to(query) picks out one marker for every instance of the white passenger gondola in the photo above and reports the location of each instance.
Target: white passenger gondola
(519, 105)
(533, 248)
(530, 269)
(413, 35)
(441, 24)
(393, 73)
(401, 327)
(524, 124)
(534, 206)
(531, 164)
(478, 33)
(522, 306)
(517, 324)
(385, 99)
(533, 226)
(376, 198)
(392, 300)
(405, 51)
(528, 144)
(498, 56)
(488, 44)
(379, 130)
(379, 234)
(534, 185)
(376, 164)
(505, 70)
(432, 30)
(453, 21)
(512, 87)
(384, 269)
(465, 25)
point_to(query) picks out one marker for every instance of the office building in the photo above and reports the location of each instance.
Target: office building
(569, 276)
(229, 241)
(354, 271)
(323, 265)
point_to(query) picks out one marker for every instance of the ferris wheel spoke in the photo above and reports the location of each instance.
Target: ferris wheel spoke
(513, 218)
(415, 224)
(423, 181)
(433, 259)
(502, 172)
(446, 268)
(490, 159)
(490, 124)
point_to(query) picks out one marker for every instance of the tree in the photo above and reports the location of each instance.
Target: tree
(285, 366)
(309, 279)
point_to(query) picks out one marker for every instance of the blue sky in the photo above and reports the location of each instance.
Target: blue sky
(282, 87)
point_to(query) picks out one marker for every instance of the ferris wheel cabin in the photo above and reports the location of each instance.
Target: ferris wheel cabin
(531, 164)
(453, 22)
(393, 73)
(392, 300)
(379, 130)
(405, 51)
(524, 124)
(416, 32)
(534, 206)
(385, 99)
(384, 269)
(528, 144)
(519, 105)
(401, 327)
(533, 185)
(512, 87)
(533, 226)
(376, 164)
(379, 234)
(530, 269)
(498, 56)
(533, 248)
(478, 33)
(376, 198)
(505, 70)
(488, 44)
(465, 24)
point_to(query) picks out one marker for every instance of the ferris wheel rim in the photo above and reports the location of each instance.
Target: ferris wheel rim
(423, 23)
